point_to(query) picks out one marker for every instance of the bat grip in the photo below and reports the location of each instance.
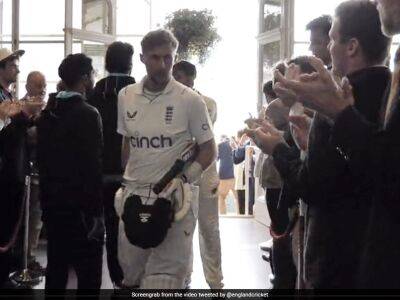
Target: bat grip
(171, 174)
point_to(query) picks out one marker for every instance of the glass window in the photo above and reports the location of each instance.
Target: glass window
(96, 16)
(6, 18)
(301, 49)
(133, 17)
(40, 57)
(272, 15)
(307, 10)
(36, 16)
(271, 55)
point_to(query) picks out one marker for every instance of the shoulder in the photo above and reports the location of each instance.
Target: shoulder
(129, 91)
(209, 101)
(89, 110)
(187, 95)
(100, 84)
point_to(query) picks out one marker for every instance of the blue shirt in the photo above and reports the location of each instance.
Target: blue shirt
(225, 161)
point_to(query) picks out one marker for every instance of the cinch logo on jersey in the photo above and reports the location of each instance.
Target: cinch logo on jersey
(151, 142)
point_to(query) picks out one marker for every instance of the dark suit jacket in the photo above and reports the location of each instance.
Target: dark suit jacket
(374, 155)
(337, 198)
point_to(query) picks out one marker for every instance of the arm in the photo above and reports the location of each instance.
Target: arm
(92, 146)
(122, 130)
(124, 152)
(207, 154)
(200, 127)
(239, 155)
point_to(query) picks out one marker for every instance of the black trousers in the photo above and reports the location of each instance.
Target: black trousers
(111, 223)
(10, 207)
(242, 201)
(68, 246)
(282, 260)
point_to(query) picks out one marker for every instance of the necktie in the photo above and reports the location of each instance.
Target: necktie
(394, 88)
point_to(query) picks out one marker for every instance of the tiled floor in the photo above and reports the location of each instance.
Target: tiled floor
(241, 258)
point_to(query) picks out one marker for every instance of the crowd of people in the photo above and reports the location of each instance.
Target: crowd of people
(133, 166)
(94, 154)
(336, 154)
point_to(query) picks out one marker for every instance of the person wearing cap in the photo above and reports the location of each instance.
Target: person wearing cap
(13, 157)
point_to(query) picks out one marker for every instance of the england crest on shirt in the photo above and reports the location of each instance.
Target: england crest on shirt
(169, 114)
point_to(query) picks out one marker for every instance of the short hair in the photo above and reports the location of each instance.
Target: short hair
(323, 23)
(73, 67)
(302, 62)
(268, 88)
(186, 67)
(159, 38)
(359, 19)
(119, 57)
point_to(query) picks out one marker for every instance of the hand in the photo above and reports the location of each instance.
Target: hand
(301, 128)
(170, 188)
(33, 106)
(318, 90)
(9, 109)
(266, 138)
(287, 96)
(253, 123)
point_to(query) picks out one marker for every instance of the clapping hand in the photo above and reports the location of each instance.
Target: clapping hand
(266, 137)
(33, 106)
(319, 90)
(301, 129)
(9, 109)
(287, 96)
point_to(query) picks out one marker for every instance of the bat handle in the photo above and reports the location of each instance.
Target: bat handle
(167, 178)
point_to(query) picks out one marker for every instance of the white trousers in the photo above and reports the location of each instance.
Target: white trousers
(163, 267)
(209, 237)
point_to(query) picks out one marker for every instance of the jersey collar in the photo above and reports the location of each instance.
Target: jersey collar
(138, 88)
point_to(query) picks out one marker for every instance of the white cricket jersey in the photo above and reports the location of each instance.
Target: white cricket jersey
(211, 108)
(160, 129)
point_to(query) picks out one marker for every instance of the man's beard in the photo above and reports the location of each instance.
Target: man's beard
(159, 79)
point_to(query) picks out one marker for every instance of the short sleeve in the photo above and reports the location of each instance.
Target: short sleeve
(199, 121)
(122, 129)
(212, 109)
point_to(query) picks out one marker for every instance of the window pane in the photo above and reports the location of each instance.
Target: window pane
(96, 16)
(5, 19)
(272, 15)
(77, 14)
(133, 17)
(271, 57)
(40, 57)
(307, 10)
(301, 49)
(41, 17)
